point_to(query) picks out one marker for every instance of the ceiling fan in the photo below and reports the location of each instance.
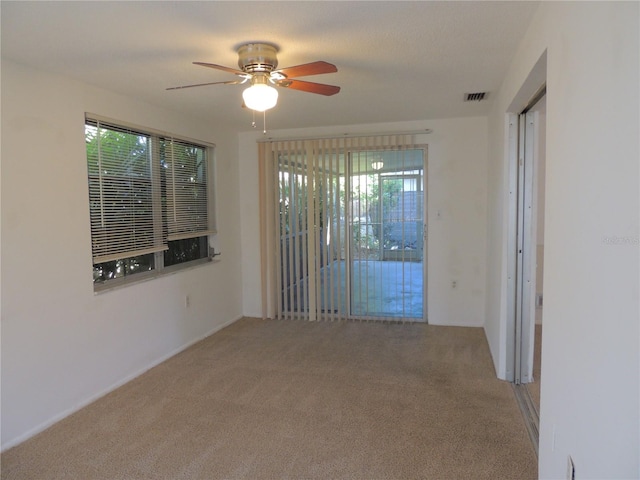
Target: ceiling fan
(258, 62)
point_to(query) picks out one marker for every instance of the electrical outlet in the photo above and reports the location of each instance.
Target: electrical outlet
(187, 301)
(571, 469)
(454, 283)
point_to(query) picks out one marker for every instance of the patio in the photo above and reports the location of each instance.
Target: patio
(379, 290)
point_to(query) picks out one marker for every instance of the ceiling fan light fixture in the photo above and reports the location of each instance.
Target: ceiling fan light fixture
(260, 96)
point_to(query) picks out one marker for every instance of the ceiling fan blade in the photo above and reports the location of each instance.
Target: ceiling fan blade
(310, 87)
(313, 68)
(230, 82)
(220, 67)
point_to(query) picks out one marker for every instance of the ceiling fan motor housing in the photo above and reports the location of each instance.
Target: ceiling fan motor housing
(257, 57)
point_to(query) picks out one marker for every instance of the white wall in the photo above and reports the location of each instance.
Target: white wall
(63, 345)
(456, 186)
(590, 346)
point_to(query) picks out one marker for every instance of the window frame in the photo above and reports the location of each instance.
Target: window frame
(155, 138)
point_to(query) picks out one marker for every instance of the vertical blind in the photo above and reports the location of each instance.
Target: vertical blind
(144, 191)
(314, 195)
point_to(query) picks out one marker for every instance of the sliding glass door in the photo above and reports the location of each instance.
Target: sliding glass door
(387, 234)
(346, 224)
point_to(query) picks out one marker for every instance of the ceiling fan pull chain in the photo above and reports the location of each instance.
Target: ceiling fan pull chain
(264, 122)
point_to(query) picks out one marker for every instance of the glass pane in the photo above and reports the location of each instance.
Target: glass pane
(300, 225)
(185, 186)
(120, 191)
(105, 271)
(387, 215)
(186, 250)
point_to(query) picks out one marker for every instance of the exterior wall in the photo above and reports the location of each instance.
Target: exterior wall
(456, 189)
(63, 345)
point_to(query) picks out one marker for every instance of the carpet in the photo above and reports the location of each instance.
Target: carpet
(274, 399)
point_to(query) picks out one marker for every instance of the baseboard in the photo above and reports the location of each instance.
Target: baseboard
(88, 401)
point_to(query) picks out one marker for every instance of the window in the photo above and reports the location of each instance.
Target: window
(149, 202)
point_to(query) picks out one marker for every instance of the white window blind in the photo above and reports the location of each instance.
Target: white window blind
(124, 193)
(186, 172)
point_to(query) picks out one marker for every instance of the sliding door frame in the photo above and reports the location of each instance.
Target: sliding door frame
(521, 255)
(318, 157)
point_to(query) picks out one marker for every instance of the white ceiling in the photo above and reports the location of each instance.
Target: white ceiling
(396, 60)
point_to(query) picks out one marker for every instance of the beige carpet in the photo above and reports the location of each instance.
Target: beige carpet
(291, 399)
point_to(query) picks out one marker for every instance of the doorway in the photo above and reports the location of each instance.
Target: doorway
(345, 218)
(386, 234)
(527, 228)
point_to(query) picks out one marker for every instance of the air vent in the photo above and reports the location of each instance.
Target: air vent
(475, 97)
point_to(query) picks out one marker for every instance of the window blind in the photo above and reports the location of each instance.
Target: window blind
(186, 173)
(323, 250)
(124, 193)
